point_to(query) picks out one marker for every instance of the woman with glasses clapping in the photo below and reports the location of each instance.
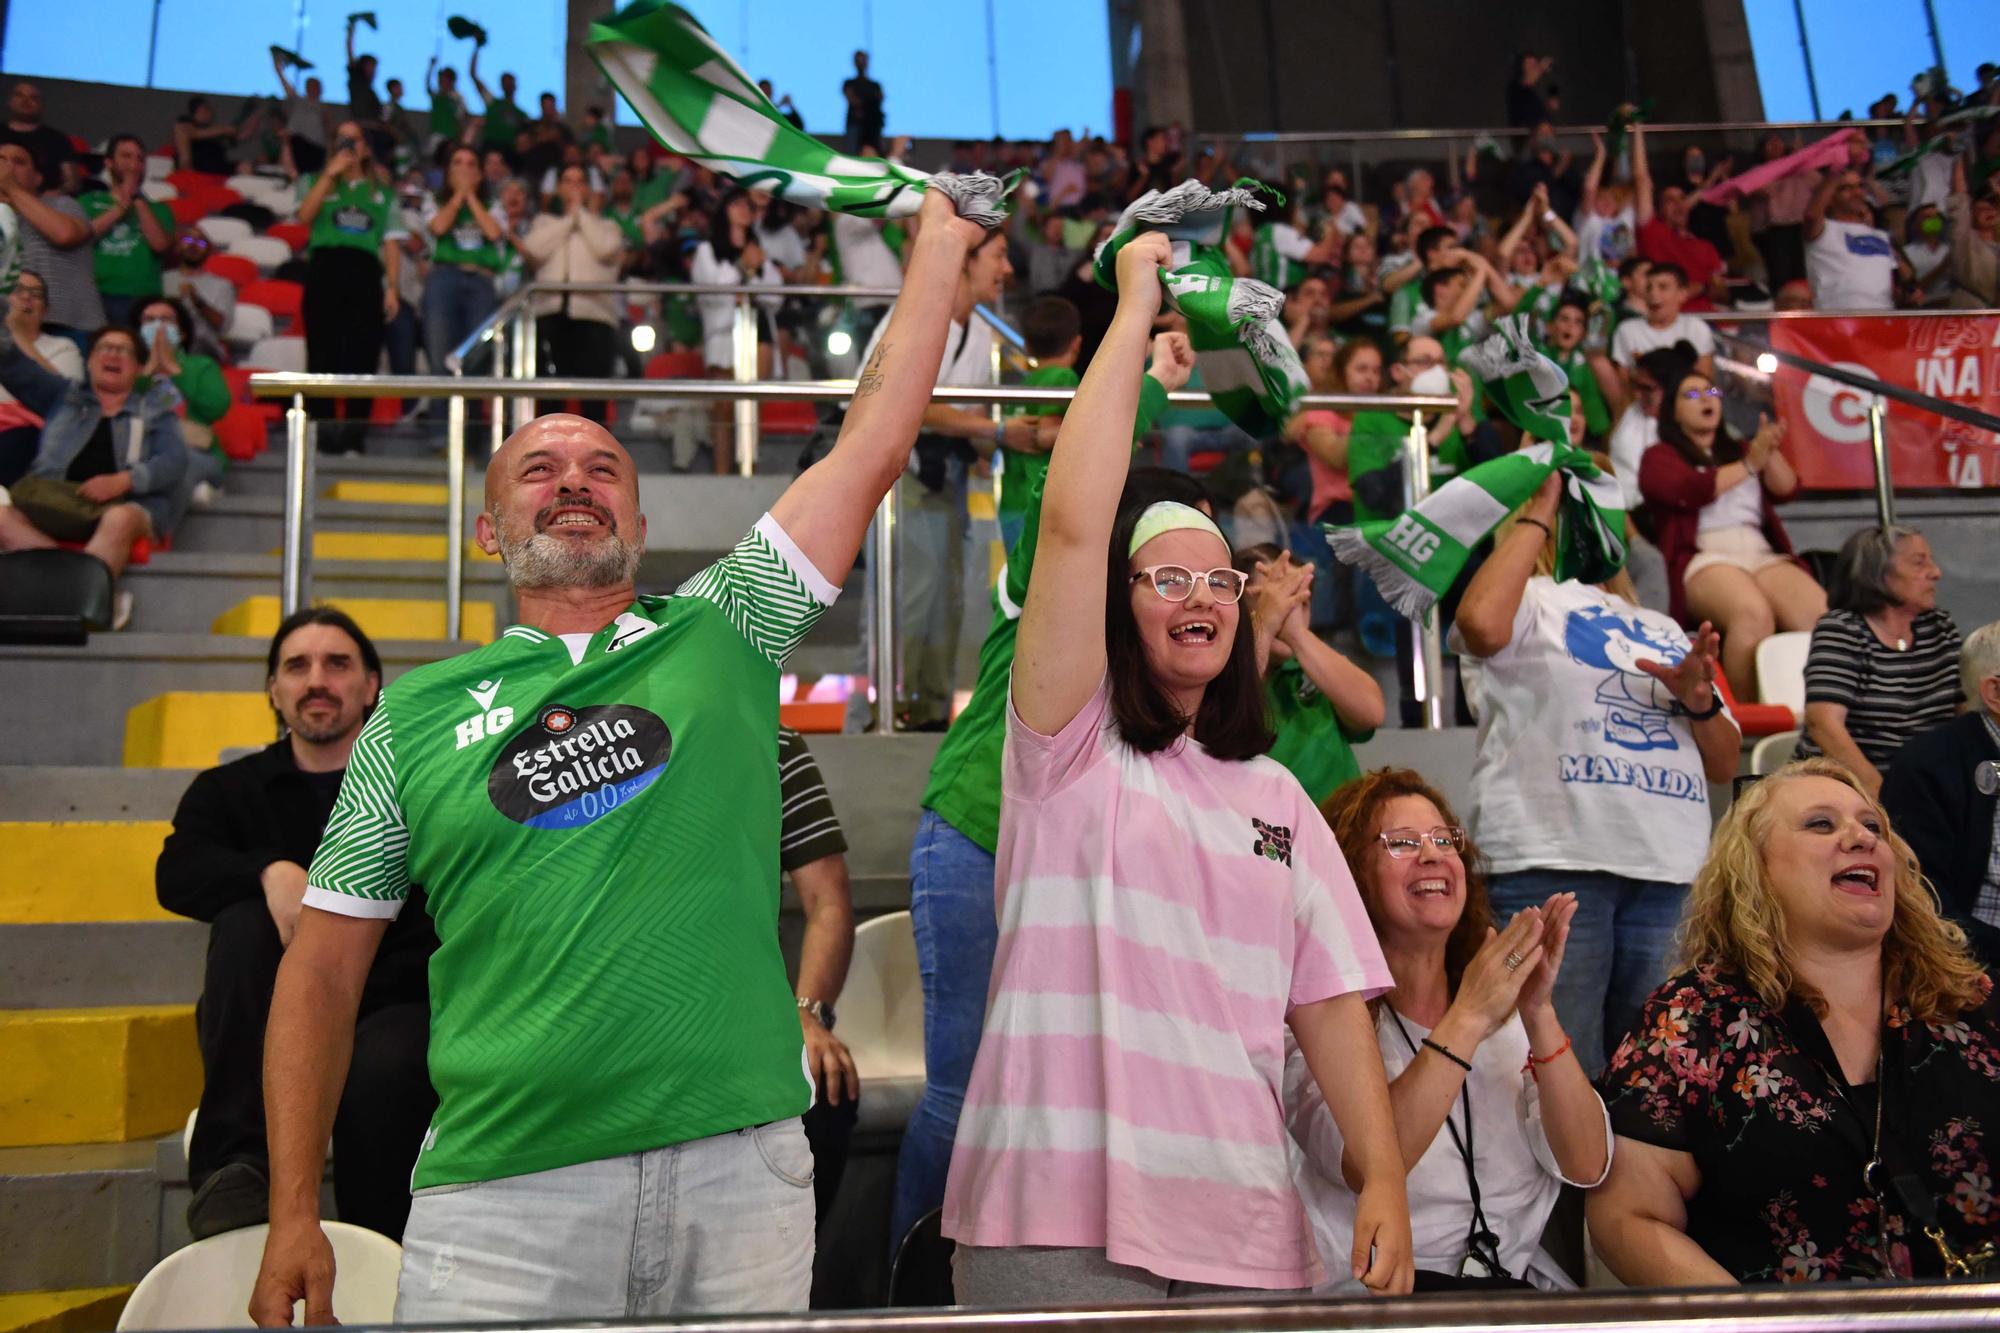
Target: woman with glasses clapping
(1492, 1108)
(1600, 729)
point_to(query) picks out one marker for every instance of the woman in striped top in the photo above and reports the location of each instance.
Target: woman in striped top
(1170, 904)
(1883, 664)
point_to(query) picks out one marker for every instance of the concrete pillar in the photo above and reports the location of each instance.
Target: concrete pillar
(583, 84)
(1738, 95)
(1161, 92)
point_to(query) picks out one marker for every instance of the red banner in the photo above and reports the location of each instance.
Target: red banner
(1956, 358)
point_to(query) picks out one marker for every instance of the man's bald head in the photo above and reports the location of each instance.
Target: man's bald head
(562, 505)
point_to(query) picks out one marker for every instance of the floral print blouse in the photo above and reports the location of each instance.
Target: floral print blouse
(1758, 1099)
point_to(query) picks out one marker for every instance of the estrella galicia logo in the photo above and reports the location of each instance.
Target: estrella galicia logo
(576, 765)
(1274, 841)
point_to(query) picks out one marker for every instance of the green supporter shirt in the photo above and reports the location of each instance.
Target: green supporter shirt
(628, 223)
(1596, 412)
(446, 111)
(355, 213)
(465, 243)
(964, 789)
(503, 123)
(1312, 741)
(596, 828)
(201, 387)
(1021, 471)
(122, 261)
(1376, 440)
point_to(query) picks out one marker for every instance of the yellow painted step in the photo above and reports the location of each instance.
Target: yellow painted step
(432, 493)
(191, 729)
(381, 617)
(979, 505)
(85, 1310)
(107, 1075)
(407, 547)
(79, 871)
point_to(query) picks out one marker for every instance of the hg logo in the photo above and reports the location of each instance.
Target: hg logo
(489, 721)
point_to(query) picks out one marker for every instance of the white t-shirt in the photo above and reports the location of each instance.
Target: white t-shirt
(1583, 764)
(1741, 506)
(1519, 1177)
(1610, 239)
(1851, 267)
(1349, 219)
(62, 356)
(718, 313)
(968, 358)
(785, 246)
(865, 258)
(1636, 337)
(1630, 438)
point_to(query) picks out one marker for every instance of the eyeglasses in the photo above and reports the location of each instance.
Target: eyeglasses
(1175, 583)
(1404, 843)
(39, 293)
(1710, 392)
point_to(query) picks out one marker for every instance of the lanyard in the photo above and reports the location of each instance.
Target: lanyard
(1482, 1245)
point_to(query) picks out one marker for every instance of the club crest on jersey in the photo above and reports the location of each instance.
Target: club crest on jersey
(577, 765)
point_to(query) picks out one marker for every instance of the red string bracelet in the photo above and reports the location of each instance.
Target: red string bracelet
(1550, 1058)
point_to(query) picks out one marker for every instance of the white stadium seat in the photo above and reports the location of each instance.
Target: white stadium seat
(223, 230)
(159, 166)
(277, 354)
(248, 324)
(208, 1284)
(1781, 670)
(266, 252)
(882, 1019)
(1772, 752)
(159, 191)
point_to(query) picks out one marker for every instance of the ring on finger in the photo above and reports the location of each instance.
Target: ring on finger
(1514, 961)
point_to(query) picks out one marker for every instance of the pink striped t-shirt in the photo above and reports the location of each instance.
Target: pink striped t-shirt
(1159, 916)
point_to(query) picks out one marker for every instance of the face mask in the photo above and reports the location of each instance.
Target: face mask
(1431, 380)
(153, 329)
(1932, 226)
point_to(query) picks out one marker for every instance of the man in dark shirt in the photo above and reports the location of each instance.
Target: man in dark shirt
(363, 105)
(864, 108)
(52, 148)
(236, 858)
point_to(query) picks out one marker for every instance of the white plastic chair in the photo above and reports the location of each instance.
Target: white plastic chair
(159, 166)
(266, 252)
(1773, 752)
(208, 1284)
(249, 324)
(1781, 670)
(277, 354)
(223, 230)
(159, 191)
(881, 1016)
(275, 195)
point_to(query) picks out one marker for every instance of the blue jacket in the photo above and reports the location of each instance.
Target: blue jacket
(70, 413)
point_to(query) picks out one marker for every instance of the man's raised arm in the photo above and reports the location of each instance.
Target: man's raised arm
(827, 511)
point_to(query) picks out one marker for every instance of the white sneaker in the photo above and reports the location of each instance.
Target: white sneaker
(121, 609)
(205, 494)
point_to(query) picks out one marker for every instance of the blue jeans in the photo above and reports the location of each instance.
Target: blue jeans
(952, 912)
(716, 1225)
(454, 303)
(1620, 945)
(1178, 444)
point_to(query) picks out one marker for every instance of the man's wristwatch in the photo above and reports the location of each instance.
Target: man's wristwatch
(820, 1010)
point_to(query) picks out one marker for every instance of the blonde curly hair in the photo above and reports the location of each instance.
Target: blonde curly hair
(1735, 921)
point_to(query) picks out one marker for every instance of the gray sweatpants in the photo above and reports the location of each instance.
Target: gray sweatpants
(1043, 1275)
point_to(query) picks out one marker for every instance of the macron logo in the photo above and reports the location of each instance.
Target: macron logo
(488, 691)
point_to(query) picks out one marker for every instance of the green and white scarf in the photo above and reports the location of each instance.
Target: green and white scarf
(1415, 556)
(700, 104)
(1246, 359)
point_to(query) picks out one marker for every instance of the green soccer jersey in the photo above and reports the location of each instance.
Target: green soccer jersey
(1596, 412)
(1277, 255)
(504, 120)
(355, 214)
(447, 111)
(595, 822)
(964, 787)
(122, 261)
(465, 243)
(1312, 740)
(1021, 471)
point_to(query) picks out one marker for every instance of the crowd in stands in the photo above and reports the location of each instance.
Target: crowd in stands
(1207, 1008)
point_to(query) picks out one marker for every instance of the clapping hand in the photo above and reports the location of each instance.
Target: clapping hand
(1538, 990)
(1770, 434)
(1492, 985)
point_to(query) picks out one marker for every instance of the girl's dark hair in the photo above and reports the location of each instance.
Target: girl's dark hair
(1350, 812)
(1232, 722)
(719, 239)
(1726, 450)
(448, 151)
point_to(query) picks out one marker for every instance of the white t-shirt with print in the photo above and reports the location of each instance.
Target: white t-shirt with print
(1630, 438)
(1583, 763)
(1610, 239)
(1851, 267)
(1636, 337)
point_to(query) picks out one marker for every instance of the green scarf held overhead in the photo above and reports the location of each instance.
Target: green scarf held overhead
(1415, 556)
(700, 104)
(1246, 359)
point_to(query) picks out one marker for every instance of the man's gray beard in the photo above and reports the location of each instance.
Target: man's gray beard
(544, 560)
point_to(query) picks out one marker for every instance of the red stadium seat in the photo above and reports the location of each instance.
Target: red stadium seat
(239, 271)
(283, 299)
(238, 379)
(188, 209)
(788, 418)
(676, 366)
(294, 234)
(196, 182)
(243, 432)
(1757, 719)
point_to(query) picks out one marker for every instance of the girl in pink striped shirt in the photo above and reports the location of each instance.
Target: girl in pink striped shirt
(1170, 904)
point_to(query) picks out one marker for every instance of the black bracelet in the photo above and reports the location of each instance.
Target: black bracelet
(1714, 707)
(1538, 523)
(1461, 1063)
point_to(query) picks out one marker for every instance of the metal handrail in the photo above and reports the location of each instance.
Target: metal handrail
(501, 313)
(1419, 136)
